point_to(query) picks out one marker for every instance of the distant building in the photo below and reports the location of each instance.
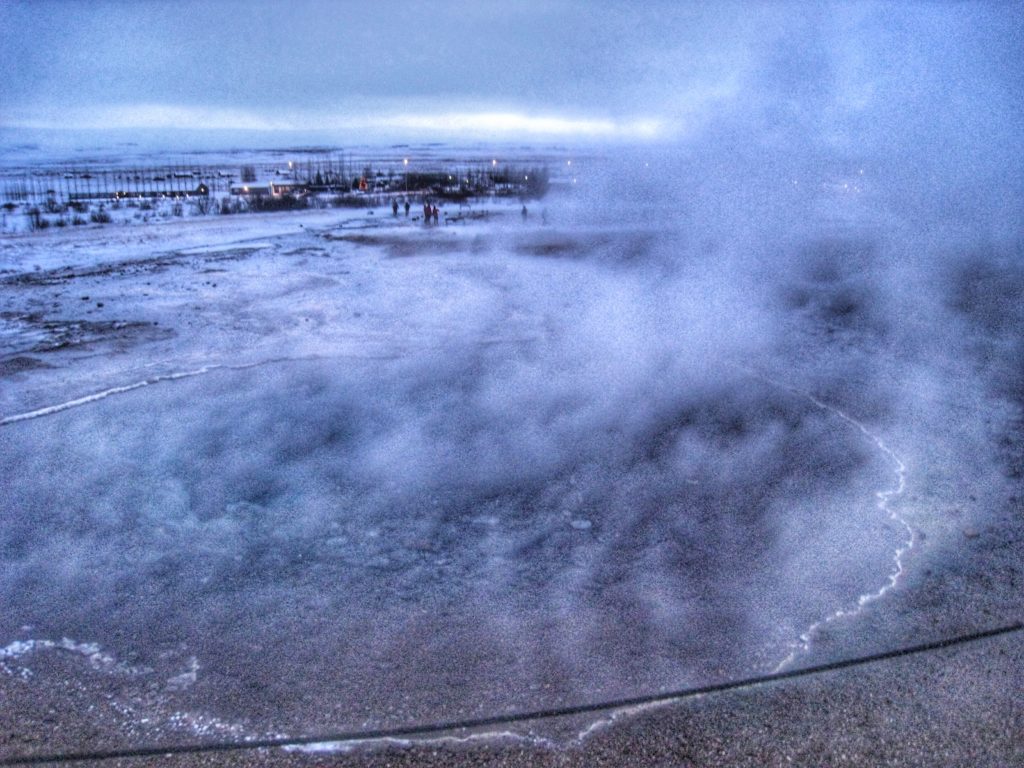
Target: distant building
(273, 188)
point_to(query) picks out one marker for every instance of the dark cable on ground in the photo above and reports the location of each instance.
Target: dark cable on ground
(509, 718)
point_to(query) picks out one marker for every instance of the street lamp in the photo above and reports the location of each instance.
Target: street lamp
(405, 162)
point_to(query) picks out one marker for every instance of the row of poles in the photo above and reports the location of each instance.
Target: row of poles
(91, 183)
(76, 184)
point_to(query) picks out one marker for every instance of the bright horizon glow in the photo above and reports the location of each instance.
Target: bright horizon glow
(519, 123)
(475, 123)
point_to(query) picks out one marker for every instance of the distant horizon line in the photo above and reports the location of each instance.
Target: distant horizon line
(467, 123)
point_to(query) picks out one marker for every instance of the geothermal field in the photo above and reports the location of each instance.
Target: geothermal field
(680, 422)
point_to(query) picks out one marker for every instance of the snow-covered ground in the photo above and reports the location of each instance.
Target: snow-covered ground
(282, 473)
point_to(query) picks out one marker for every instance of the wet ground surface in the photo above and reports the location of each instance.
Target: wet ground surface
(288, 503)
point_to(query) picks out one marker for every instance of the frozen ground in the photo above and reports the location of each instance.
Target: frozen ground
(296, 473)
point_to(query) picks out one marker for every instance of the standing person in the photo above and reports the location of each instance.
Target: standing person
(394, 207)
(406, 207)
(436, 214)
(524, 213)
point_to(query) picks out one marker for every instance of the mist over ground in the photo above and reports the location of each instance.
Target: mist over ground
(635, 444)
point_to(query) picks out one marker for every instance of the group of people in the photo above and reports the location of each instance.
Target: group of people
(431, 213)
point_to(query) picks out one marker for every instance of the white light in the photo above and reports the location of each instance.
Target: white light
(405, 161)
(513, 122)
(156, 115)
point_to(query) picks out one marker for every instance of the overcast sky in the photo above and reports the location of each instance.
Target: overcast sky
(585, 68)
